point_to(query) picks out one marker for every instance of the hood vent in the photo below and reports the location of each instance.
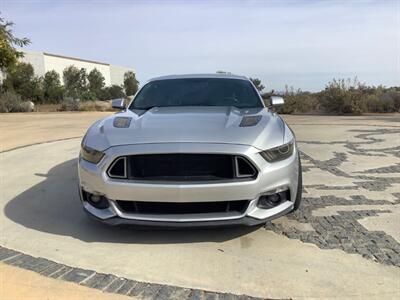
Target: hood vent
(122, 122)
(248, 121)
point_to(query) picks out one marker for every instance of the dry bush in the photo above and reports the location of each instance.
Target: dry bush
(28, 106)
(69, 104)
(11, 102)
(343, 97)
(391, 100)
(95, 106)
(48, 107)
(297, 101)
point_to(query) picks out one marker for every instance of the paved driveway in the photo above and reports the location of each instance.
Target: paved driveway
(344, 242)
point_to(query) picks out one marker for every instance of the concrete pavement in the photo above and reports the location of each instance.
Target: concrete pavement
(343, 243)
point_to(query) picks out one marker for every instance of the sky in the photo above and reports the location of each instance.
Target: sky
(304, 44)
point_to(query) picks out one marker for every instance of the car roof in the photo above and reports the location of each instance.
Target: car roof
(211, 75)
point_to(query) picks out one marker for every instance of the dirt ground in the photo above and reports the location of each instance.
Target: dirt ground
(21, 129)
(16, 284)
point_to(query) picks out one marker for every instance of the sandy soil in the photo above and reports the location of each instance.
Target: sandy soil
(17, 284)
(21, 129)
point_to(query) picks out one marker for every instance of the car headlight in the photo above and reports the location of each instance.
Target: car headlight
(90, 154)
(278, 153)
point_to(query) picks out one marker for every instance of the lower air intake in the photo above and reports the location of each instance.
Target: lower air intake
(183, 208)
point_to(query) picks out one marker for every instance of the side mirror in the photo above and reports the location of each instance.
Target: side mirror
(277, 101)
(118, 103)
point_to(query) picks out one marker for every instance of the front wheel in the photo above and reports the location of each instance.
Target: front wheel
(299, 189)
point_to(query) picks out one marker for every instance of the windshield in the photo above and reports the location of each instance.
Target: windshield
(197, 92)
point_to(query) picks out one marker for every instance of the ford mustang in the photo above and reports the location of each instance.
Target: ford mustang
(191, 150)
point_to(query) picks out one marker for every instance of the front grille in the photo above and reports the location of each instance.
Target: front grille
(182, 167)
(141, 207)
(118, 168)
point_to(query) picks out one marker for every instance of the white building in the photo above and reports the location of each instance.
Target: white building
(43, 62)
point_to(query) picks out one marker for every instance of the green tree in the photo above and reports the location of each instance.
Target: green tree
(37, 90)
(96, 82)
(75, 81)
(22, 80)
(131, 85)
(8, 54)
(112, 92)
(257, 84)
(52, 88)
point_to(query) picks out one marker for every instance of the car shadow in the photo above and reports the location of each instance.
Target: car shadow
(53, 206)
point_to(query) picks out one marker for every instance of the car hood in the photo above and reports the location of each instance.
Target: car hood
(190, 125)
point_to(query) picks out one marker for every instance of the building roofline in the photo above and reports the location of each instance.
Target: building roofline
(75, 58)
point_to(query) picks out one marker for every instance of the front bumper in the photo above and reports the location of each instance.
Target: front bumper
(243, 221)
(272, 178)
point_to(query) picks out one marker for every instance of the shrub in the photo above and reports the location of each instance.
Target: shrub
(52, 89)
(391, 100)
(257, 83)
(88, 95)
(22, 80)
(96, 83)
(396, 100)
(112, 92)
(69, 104)
(95, 106)
(373, 104)
(75, 81)
(27, 106)
(343, 96)
(298, 102)
(11, 102)
(131, 85)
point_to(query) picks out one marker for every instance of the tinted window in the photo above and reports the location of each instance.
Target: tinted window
(197, 92)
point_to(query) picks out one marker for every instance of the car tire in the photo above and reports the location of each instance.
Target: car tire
(299, 188)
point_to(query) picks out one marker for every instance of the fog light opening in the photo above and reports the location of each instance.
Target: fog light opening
(272, 200)
(95, 198)
(98, 201)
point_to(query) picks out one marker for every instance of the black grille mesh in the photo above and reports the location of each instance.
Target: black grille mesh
(239, 206)
(183, 167)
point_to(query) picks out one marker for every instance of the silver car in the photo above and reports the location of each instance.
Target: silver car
(191, 150)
